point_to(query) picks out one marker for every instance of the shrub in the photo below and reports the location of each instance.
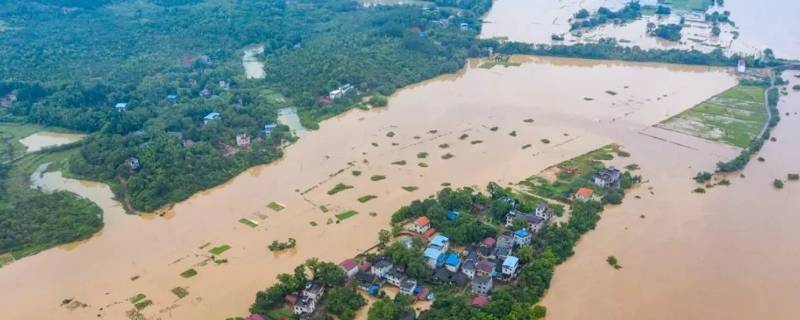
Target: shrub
(777, 183)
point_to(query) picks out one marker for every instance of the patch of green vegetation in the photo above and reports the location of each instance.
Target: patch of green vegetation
(546, 141)
(494, 128)
(513, 133)
(356, 173)
(137, 298)
(410, 188)
(699, 190)
(313, 223)
(733, 117)
(377, 177)
(463, 136)
(346, 214)
(276, 206)
(793, 176)
(248, 222)
(366, 198)
(777, 183)
(422, 165)
(688, 5)
(189, 273)
(339, 187)
(476, 141)
(6, 259)
(144, 304)
(422, 155)
(180, 292)
(280, 246)
(219, 250)
(399, 163)
(447, 156)
(444, 146)
(612, 261)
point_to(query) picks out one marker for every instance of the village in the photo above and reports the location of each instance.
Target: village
(474, 269)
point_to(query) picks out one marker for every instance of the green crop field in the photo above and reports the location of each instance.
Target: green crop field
(733, 117)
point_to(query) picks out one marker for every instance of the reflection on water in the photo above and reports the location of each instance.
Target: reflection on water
(41, 140)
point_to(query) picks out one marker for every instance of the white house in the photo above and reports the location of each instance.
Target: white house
(522, 237)
(350, 267)
(510, 265)
(408, 287)
(381, 268)
(421, 225)
(482, 285)
(243, 140)
(741, 67)
(121, 107)
(340, 92)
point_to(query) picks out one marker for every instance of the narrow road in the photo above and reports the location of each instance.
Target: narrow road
(766, 104)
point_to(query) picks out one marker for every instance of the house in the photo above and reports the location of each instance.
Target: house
(509, 268)
(584, 194)
(480, 301)
(224, 85)
(488, 242)
(522, 237)
(607, 178)
(463, 26)
(443, 275)
(268, 128)
(121, 107)
(408, 287)
(484, 268)
(482, 285)
(365, 280)
(381, 268)
(505, 241)
(452, 215)
(452, 262)
(205, 93)
(421, 225)
(172, 97)
(242, 140)
(433, 257)
(439, 242)
(133, 164)
(395, 277)
(340, 91)
(424, 294)
(349, 266)
(213, 116)
(533, 221)
(741, 67)
(429, 234)
(306, 303)
(502, 252)
(542, 211)
(468, 268)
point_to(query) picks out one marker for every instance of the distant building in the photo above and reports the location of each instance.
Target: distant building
(306, 303)
(608, 178)
(268, 128)
(440, 242)
(534, 222)
(243, 140)
(510, 265)
(395, 277)
(381, 268)
(452, 215)
(488, 242)
(741, 67)
(421, 225)
(349, 266)
(522, 237)
(340, 91)
(172, 97)
(484, 268)
(214, 116)
(205, 93)
(584, 194)
(481, 285)
(121, 107)
(133, 164)
(224, 85)
(452, 262)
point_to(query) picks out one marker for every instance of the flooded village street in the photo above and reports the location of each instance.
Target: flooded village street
(566, 98)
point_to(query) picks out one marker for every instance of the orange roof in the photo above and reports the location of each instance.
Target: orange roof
(428, 234)
(584, 192)
(423, 220)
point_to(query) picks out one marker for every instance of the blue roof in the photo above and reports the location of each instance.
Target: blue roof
(452, 215)
(453, 259)
(121, 105)
(432, 253)
(172, 96)
(270, 126)
(439, 240)
(522, 233)
(510, 261)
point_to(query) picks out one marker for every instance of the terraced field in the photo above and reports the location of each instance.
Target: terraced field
(733, 117)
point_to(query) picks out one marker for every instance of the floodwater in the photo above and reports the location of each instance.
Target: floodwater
(253, 68)
(728, 254)
(41, 140)
(761, 24)
(146, 255)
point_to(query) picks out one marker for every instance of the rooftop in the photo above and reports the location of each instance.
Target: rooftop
(521, 233)
(432, 253)
(511, 261)
(423, 220)
(453, 259)
(584, 192)
(439, 240)
(348, 264)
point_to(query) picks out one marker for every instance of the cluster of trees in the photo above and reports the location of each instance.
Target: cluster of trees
(69, 63)
(327, 274)
(671, 32)
(31, 221)
(628, 13)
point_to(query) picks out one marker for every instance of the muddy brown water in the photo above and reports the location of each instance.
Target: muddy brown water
(253, 68)
(41, 140)
(760, 24)
(146, 254)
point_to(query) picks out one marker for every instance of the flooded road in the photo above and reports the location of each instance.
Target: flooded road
(728, 254)
(253, 68)
(453, 114)
(760, 25)
(41, 140)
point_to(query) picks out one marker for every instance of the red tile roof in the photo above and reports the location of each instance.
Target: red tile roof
(480, 301)
(428, 234)
(365, 266)
(489, 242)
(348, 264)
(423, 294)
(584, 192)
(423, 220)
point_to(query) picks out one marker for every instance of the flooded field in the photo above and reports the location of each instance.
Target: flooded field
(288, 117)
(469, 116)
(253, 68)
(756, 24)
(727, 254)
(41, 140)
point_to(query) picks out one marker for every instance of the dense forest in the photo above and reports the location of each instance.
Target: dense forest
(173, 62)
